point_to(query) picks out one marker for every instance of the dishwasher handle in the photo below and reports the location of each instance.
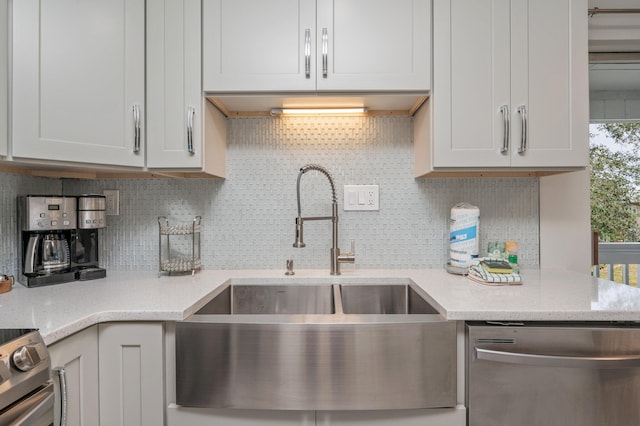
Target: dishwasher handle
(594, 362)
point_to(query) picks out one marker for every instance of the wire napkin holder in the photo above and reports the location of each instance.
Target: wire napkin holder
(179, 246)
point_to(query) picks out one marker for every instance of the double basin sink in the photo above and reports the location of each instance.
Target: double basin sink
(309, 346)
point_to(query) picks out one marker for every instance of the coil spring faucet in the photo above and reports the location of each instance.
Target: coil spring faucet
(336, 257)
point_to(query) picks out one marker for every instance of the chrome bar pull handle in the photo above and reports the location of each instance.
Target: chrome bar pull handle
(307, 53)
(504, 109)
(64, 404)
(570, 361)
(136, 128)
(325, 53)
(191, 112)
(522, 110)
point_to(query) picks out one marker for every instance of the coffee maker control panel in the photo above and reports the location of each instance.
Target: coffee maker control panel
(92, 212)
(45, 213)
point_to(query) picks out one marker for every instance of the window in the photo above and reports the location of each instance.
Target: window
(615, 163)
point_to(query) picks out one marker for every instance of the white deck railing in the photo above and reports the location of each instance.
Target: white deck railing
(624, 254)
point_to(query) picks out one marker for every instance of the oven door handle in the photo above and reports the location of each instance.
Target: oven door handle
(36, 406)
(594, 362)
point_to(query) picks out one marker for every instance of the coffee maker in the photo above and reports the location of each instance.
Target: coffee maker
(85, 242)
(47, 225)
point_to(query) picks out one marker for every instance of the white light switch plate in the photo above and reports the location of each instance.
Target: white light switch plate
(361, 197)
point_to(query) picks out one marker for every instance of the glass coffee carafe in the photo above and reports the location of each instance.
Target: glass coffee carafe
(55, 252)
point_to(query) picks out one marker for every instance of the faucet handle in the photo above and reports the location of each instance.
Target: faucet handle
(349, 257)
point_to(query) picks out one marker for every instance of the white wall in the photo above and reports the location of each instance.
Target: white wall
(615, 106)
(565, 222)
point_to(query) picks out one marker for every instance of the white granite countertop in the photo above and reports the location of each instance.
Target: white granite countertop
(546, 295)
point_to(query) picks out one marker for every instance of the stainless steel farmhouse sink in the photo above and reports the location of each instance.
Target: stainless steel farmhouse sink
(272, 299)
(309, 346)
(383, 299)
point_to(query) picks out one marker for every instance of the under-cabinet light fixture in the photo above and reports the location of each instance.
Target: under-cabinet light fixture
(317, 111)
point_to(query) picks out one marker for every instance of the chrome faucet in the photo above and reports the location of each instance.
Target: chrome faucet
(336, 257)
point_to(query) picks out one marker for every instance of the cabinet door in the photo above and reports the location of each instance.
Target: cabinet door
(78, 355)
(550, 79)
(179, 416)
(131, 373)
(373, 45)
(471, 82)
(258, 45)
(174, 93)
(78, 76)
(4, 63)
(510, 62)
(431, 417)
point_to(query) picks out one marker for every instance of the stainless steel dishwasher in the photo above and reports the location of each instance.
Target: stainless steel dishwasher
(581, 374)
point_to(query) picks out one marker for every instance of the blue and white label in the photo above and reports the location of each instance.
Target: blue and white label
(463, 234)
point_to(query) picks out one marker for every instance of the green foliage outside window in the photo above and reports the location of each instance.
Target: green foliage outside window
(615, 183)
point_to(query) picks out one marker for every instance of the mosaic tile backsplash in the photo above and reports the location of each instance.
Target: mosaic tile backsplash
(248, 218)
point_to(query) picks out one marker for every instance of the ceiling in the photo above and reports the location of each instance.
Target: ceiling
(614, 77)
(614, 33)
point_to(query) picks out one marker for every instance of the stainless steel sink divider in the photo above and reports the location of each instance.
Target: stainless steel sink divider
(337, 300)
(406, 299)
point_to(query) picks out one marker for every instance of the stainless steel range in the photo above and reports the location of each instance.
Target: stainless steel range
(26, 391)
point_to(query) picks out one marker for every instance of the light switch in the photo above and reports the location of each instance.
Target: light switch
(361, 197)
(352, 198)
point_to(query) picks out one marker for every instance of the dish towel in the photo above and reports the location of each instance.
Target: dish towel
(481, 275)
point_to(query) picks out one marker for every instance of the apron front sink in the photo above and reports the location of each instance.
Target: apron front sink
(383, 299)
(272, 299)
(310, 346)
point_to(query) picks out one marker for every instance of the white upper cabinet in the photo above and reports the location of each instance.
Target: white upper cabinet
(78, 81)
(4, 100)
(510, 86)
(259, 45)
(373, 45)
(176, 114)
(552, 82)
(324, 45)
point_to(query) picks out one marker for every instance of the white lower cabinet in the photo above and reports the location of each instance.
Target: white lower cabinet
(118, 373)
(430, 417)
(78, 355)
(131, 373)
(178, 416)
